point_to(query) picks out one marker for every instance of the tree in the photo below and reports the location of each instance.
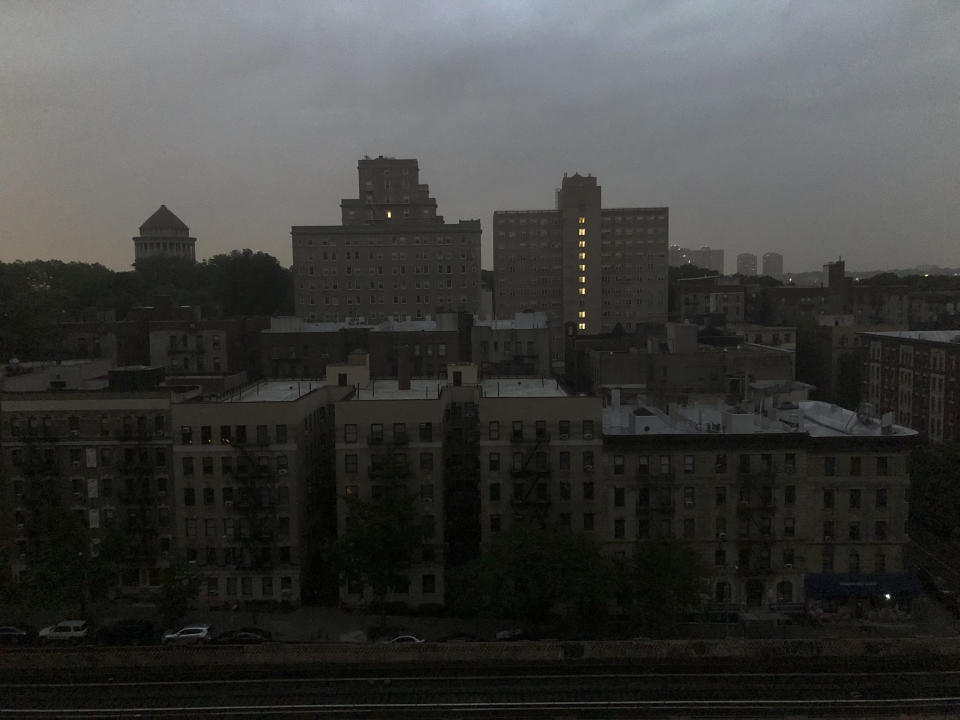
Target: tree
(175, 596)
(383, 533)
(667, 580)
(532, 573)
(935, 489)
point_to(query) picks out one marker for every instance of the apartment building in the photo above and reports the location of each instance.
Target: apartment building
(392, 256)
(251, 473)
(914, 375)
(705, 257)
(779, 495)
(585, 266)
(103, 456)
(746, 264)
(516, 346)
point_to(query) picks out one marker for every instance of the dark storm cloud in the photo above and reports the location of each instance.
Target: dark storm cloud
(811, 128)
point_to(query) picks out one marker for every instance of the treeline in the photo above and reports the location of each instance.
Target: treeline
(37, 296)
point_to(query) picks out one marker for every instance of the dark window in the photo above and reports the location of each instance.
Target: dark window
(429, 584)
(855, 465)
(619, 528)
(881, 497)
(618, 497)
(588, 522)
(350, 433)
(564, 460)
(720, 495)
(188, 466)
(789, 494)
(189, 496)
(689, 464)
(828, 499)
(350, 463)
(494, 462)
(426, 432)
(493, 430)
(855, 499)
(208, 496)
(281, 431)
(618, 465)
(588, 491)
(426, 461)
(854, 531)
(880, 530)
(883, 467)
(643, 465)
(829, 466)
(720, 465)
(744, 463)
(494, 491)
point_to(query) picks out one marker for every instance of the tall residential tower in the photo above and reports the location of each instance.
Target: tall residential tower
(582, 264)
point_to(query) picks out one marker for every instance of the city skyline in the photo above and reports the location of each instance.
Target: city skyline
(826, 130)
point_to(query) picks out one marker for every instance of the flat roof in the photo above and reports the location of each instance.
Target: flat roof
(389, 389)
(937, 336)
(274, 391)
(819, 419)
(520, 321)
(522, 387)
(409, 325)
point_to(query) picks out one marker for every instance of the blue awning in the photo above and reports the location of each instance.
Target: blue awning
(861, 585)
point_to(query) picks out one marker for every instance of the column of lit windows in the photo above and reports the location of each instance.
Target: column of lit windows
(582, 267)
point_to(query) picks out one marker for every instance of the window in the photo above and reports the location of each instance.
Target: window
(853, 562)
(720, 528)
(206, 435)
(879, 562)
(189, 496)
(643, 465)
(494, 523)
(350, 463)
(720, 495)
(883, 467)
(855, 499)
(789, 527)
(208, 496)
(188, 466)
(564, 429)
(790, 495)
(263, 436)
(493, 430)
(880, 530)
(376, 433)
(426, 461)
(618, 467)
(618, 497)
(494, 492)
(350, 433)
(828, 529)
(588, 491)
(829, 466)
(206, 464)
(790, 463)
(588, 522)
(828, 499)
(744, 463)
(588, 460)
(720, 464)
(426, 432)
(429, 584)
(855, 465)
(186, 435)
(689, 528)
(588, 429)
(664, 464)
(828, 560)
(281, 433)
(224, 434)
(720, 560)
(881, 497)
(689, 464)
(854, 531)
(619, 528)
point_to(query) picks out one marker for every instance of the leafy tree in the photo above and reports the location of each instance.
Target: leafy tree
(176, 594)
(531, 573)
(383, 534)
(667, 580)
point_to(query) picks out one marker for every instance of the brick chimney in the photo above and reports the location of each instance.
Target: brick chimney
(404, 367)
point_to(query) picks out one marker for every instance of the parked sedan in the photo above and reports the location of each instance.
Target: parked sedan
(128, 632)
(16, 635)
(407, 638)
(189, 635)
(243, 636)
(71, 631)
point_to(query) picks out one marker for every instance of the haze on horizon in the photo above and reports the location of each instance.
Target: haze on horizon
(812, 128)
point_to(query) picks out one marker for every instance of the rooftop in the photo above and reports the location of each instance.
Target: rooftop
(274, 391)
(164, 219)
(521, 387)
(936, 336)
(520, 321)
(809, 417)
(389, 389)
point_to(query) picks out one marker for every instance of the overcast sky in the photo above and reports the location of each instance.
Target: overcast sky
(815, 128)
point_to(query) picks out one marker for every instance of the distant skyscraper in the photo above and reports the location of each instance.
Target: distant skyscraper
(746, 264)
(773, 264)
(582, 264)
(391, 257)
(164, 233)
(704, 257)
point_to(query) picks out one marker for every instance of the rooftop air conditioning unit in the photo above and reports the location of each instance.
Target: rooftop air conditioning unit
(161, 493)
(19, 526)
(827, 538)
(564, 436)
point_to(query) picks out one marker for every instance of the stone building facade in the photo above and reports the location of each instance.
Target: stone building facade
(392, 256)
(164, 234)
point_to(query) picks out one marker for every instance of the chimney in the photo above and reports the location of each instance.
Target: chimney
(403, 367)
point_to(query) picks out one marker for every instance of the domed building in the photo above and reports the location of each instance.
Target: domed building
(164, 233)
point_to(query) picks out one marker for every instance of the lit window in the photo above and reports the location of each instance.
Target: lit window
(583, 243)
(582, 326)
(583, 268)
(583, 291)
(583, 313)
(583, 278)
(583, 256)
(389, 214)
(583, 231)
(582, 220)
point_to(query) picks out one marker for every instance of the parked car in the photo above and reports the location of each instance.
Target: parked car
(511, 634)
(243, 636)
(194, 634)
(406, 638)
(128, 632)
(71, 631)
(17, 635)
